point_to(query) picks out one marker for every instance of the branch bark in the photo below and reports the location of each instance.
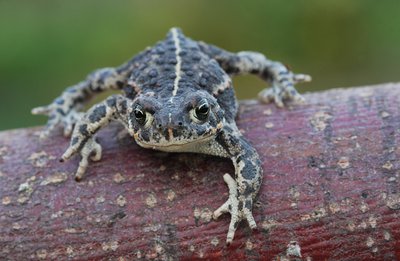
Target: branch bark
(330, 191)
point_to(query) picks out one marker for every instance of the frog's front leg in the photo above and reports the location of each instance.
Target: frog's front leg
(66, 108)
(248, 177)
(83, 140)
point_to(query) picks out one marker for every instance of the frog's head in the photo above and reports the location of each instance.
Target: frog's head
(169, 123)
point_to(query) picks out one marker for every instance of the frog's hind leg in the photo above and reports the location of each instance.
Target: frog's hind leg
(83, 140)
(280, 77)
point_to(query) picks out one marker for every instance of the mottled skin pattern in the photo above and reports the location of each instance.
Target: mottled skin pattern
(178, 98)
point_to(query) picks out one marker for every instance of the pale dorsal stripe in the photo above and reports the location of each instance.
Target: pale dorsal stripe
(178, 60)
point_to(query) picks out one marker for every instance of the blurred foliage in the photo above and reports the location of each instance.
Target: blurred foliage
(48, 45)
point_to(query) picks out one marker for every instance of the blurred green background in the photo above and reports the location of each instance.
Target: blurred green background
(46, 46)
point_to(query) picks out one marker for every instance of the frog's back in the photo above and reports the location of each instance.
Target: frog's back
(177, 66)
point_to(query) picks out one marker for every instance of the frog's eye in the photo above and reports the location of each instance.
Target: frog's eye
(201, 112)
(140, 115)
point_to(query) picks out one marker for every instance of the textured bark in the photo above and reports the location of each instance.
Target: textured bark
(330, 191)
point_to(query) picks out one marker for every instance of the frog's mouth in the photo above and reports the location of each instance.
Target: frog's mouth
(165, 143)
(171, 143)
(175, 145)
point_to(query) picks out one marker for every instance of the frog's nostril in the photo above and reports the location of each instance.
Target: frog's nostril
(180, 123)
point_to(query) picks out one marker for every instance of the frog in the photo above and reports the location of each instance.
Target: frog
(177, 96)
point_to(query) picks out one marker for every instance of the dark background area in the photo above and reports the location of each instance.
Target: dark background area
(46, 46)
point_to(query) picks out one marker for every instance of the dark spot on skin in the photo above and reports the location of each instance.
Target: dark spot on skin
(196, 57)
(266, 75)
(248, 204)
(145, 135)
(160, 50)
(74, 141)
(185, 67)
(221, 141)
(165, 134)
(172, 61)
(189, 73)
(240, 206)
(172, 76)
(129, 92)
(123, 107)
(120, 84)
(282, 80)
(203, 82)
(364, 194)
(236, 224)
(142, 79)
(85, 93)
(153, 81)
(248, 190)
(153, 73)
(111, 102)
(136, 74)
(97, 114)
(100, 81)
(83, 130)
(60, 111)
(160, 61)
(176, 133)
(79, 99)
(248, 171)
(168, 68)
(232, 70)
(182, 53)
(59, 101)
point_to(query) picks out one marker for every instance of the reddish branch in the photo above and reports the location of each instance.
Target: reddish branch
(330, 192)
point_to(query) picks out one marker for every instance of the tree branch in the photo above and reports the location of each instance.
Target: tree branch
(330, 191)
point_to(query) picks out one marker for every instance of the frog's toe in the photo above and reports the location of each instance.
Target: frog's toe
(70, 120)
(298, 78)
(271, 95)
(42, 110)
(238, 206)
(91, 150)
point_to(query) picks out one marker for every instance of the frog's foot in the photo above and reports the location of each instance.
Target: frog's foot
(283, 88)
(238, 206)
(58, 113)
(91, 149)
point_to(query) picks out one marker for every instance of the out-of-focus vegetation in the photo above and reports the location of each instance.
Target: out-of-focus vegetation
(46, 46)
